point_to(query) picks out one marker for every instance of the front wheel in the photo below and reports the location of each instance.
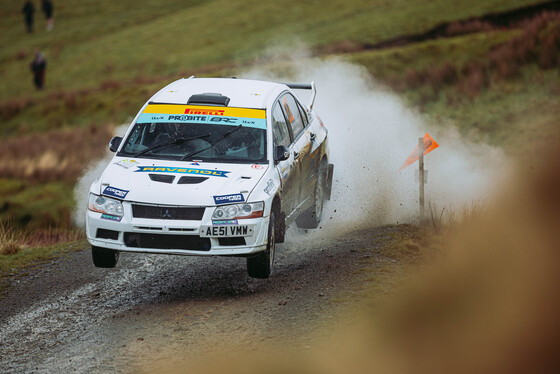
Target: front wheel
(261, 264)
(104, 257)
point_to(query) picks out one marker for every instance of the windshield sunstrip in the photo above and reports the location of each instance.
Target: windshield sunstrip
(171, 113)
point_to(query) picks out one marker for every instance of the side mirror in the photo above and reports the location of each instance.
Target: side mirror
(281, 153)
(114, 143)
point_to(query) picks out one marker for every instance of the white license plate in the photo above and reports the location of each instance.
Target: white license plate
(226, 231)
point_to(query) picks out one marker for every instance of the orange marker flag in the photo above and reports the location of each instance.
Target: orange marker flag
(429, 145)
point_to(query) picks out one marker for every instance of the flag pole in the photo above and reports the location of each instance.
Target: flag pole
(421, 174)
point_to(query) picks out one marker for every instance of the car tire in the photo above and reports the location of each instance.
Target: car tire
(261, 264)
(311, 218)
(104, 257)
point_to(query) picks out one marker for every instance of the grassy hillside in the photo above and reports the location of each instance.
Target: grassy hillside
(98, 47)
(500, 86)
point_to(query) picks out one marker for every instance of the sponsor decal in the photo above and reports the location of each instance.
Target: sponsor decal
(163, 169)
(269, 187)
(170, 113)
(115, 192)
(284, 172)
(200, 119)
(225, 222)
(110, 217)
(127, 164)
(211, 112)
(257, 166)
(226, 199)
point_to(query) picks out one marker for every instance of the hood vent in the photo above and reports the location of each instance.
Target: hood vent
(209, 99)
(162, 178)
(191, 180)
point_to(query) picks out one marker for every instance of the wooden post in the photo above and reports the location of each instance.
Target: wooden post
(421, 174)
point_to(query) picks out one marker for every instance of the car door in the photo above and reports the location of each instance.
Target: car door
(301, 147)
(311, 162)
(286, 170)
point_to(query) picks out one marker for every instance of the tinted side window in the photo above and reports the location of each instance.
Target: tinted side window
(292, 114)
(279, 127)
(303, 115)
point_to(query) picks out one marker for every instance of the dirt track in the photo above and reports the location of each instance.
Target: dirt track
(69, 315)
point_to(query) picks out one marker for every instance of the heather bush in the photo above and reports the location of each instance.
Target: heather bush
(54, 156)
(538, 43)
(444, 74)
(467, 27)
(12, 108)
(475, 79)
(11, 240)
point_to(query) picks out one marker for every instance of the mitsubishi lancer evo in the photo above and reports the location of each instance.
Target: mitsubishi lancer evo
(212, 167)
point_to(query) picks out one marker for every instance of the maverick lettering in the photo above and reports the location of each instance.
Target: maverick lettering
(214, 173)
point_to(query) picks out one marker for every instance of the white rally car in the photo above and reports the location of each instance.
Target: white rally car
(212, 166)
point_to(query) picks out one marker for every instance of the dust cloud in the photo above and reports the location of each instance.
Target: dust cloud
(94, 170)
(371, 133)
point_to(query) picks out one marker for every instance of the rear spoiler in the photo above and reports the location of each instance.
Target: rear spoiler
(304, 86)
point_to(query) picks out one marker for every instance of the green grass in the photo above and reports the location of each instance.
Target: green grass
(94, 43)
(516, 114)
(390, 63)
(27, 258)
(36, 206)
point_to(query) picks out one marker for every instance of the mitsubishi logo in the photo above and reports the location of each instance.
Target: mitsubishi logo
(166, 214)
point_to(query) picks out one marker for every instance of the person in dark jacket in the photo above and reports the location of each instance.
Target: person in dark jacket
(28, 11)
(39, 67)
(48, 9)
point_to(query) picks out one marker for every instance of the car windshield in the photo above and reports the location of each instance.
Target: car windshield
(195, 141)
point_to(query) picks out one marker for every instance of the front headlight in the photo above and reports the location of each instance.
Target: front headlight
(239, 211)
(104, 204)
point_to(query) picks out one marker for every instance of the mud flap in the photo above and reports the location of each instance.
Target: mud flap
(328, 182)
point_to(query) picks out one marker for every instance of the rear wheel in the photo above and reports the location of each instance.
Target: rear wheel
(261, 265)
(104, 257)
(311, 218)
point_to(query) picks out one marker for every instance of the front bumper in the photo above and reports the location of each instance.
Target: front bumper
(175, 237)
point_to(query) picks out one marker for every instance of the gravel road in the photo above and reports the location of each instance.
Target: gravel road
(69, 316)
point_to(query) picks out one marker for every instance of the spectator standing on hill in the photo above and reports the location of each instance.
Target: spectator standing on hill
(39, 67)
(48, 8)
(28, 11)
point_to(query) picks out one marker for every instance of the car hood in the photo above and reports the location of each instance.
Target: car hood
(179, 183)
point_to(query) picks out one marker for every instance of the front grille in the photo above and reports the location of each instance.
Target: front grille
(173, 213)
(160, 241)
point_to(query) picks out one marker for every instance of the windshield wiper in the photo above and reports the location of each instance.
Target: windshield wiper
(228, 133)
(169, 142)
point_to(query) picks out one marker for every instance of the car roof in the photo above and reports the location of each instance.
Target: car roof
(243, 93)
